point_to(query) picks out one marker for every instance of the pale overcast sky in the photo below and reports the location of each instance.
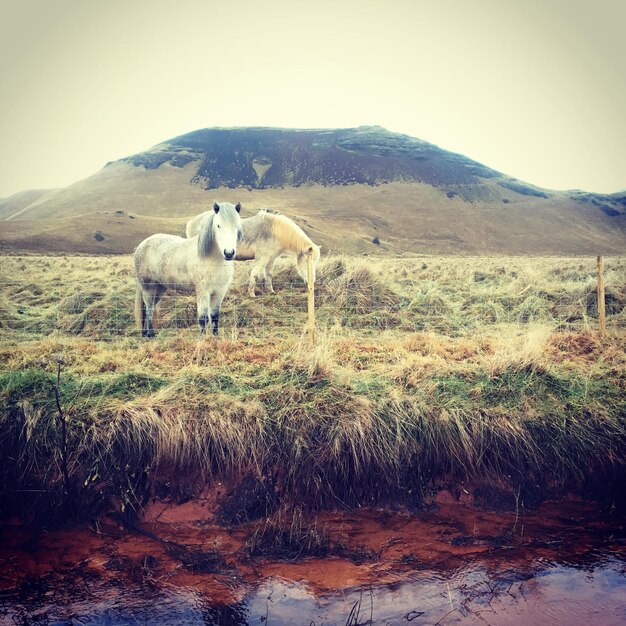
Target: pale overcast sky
(533, 88)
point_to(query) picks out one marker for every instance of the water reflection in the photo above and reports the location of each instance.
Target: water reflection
(135, 607)
(590, 591)
(552, 594)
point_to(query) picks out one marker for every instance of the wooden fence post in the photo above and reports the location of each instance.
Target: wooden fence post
(601, 306)
(311, 298)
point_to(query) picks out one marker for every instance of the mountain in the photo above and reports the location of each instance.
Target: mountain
(346, 187)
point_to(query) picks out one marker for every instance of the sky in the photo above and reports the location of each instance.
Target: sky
(533, 88)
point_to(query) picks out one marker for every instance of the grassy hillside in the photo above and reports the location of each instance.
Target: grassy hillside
(345, 187)
(406, 218)
(427, 371)
(14, 205)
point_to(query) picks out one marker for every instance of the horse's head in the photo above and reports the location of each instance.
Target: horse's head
(302, 262)
(222, 231)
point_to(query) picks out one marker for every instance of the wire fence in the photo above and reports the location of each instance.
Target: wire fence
(95, 297)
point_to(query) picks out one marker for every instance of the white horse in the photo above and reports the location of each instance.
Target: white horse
(265, 237)
(202, 263)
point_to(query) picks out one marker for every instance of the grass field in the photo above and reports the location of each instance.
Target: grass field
(425, 371)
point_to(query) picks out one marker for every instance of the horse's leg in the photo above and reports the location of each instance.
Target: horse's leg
(203, 310)
(209, 303)
(253, 275)
(259, 271)
(269, 273)
(151, 296)
(216, 303)
(215, 320)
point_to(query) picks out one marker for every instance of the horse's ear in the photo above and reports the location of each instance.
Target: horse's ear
(238, 207)
(216, 207)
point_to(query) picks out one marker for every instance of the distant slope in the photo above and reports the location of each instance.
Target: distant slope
(614, 205)
(104, 233)
(19, 202)
(345, 187)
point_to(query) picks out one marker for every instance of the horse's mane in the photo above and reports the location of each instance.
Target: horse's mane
(205, 236)
(290, 235)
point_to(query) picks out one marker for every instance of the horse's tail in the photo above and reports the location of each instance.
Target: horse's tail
(140, 308)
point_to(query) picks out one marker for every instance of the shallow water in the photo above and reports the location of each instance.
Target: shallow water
(551, 594)
(473, 595)
(564, 564)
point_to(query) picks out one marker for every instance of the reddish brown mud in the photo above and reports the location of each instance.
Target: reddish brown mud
(452, 563)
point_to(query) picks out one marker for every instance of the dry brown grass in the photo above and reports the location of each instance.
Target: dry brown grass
(504, 380)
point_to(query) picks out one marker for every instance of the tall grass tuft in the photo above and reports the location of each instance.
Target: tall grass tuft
(8, 313)
(521, 352)
(359, 290)
(288, 538)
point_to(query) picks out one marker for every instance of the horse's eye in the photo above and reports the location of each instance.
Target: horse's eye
(219, 226)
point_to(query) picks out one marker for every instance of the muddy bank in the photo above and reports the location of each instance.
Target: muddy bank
(175, 564)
